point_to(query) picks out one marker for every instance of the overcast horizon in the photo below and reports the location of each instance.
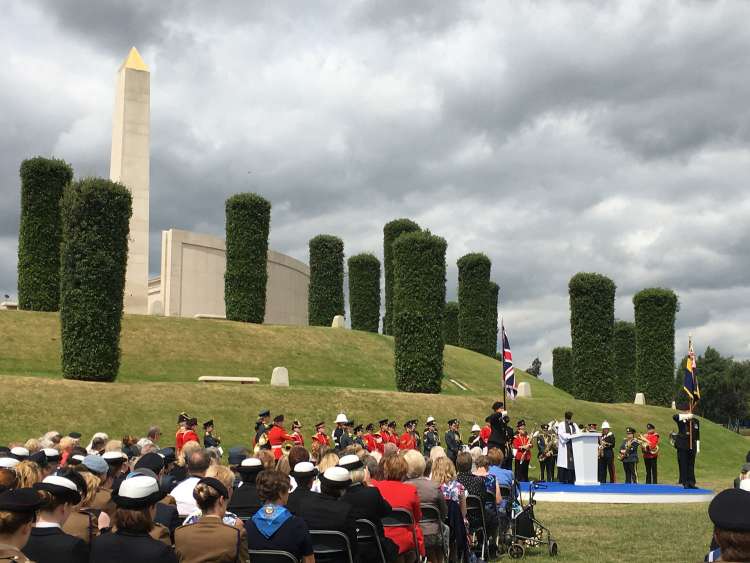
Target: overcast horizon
(555, 137)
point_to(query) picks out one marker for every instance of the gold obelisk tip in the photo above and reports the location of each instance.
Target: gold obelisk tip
(134, 61)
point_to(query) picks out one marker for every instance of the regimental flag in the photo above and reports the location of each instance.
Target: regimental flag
(690, 384)
(509, 374)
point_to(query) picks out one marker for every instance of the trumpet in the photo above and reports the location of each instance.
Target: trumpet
(646, 445)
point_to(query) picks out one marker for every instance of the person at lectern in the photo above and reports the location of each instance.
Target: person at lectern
(566, 472)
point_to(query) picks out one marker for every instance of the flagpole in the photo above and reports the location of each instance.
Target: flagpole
(502, 363)
(690, 402)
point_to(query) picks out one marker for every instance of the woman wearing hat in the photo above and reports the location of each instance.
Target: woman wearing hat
(60, 495)
(17, 513)
(135, 498)
(274, 526)
(245, 501)
(210, 538)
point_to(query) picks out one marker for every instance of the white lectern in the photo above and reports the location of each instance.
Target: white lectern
(586, 458)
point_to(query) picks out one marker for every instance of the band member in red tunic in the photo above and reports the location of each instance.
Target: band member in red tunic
(485, 432)
(522, 449)
(277, 436)
(392, 433)
(189, 434)
(321, 438)
(651, 453)
(371, 438)
(408, 440)
(384, 435)
(297, 437)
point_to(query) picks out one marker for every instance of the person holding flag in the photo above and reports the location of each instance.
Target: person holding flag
(687, 439)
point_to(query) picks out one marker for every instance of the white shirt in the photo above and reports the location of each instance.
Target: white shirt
(183, 494)
(40, 524)
(563, 438)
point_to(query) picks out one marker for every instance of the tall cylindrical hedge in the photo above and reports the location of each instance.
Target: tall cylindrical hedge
(364, 292)
(42, 183)
(325, 295)
(473, 301)
(562, 368)
(248, 220)
(93, 259)
(592, 316)
(624, 379)
(655, 310)
(391, 231)
(419, 300)
(450, 323)
(494, 294)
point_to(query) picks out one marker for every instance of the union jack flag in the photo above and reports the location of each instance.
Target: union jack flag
(509, 374)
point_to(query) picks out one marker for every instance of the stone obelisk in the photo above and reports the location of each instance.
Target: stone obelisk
(129, 165)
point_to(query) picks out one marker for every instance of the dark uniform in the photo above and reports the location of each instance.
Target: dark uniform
(607, 459)
(125, 547)
(209, 440)
(686, 449)
(545, 442)
(629, 456)
(245, 501)
(54, 545)
(431, 439)
(501, 436)
(210, 539)
(323, 512)
(453, 443)
(20, 501)
(367, 503)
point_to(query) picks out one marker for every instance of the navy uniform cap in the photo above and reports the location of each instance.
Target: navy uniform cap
(730, 510)
(264, 413)
(20, 500)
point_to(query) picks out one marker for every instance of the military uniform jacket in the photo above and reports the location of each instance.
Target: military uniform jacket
(127, 547)
(682, 438)
(452, 444)
(345, 440)
(54, 545)
(608, 445)
(245, 501)
(321, 512)
(103, 501)
(631, 451)
(210, 540)
(337, 433)
(209, 441)
(83, 524)
(499, 435)
(11, 553)
(431, 439)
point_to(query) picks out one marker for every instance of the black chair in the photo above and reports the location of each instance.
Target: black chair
(368, 537)
(331, 545)
(475, 506)
(271, 556)
(431, 515)
(400, 517)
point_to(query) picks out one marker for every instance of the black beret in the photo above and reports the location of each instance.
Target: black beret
(20, 500)
(40, 458)
(730, 510)
(168, 454)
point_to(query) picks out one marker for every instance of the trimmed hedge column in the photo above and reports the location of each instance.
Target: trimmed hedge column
(655, 310)
(492, 329)
(42, 183)
(364, 292)
(592, 316)
(562, 368)
(94, 254)
(624, 362)
(248, 220)
(473, 300)
(325, 295)
(419, 301)
(391, 231)
(450, 323)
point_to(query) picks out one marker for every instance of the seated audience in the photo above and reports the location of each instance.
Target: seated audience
(85, 522)
(304, 474)
(245, 501)
(730, 513)
(17, 513)
(429, 493)
(197, 465)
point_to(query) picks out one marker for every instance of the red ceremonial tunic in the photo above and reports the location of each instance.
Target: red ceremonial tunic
(407, 442)
(179, 440)
(653, 440)
(276, 437)
(322, 439)
(485, 433)
(299, 439)
(385, 437)
(393, 438)
(518, 442)
(371, 442)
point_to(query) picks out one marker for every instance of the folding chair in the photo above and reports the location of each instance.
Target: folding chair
(367, 535)
(331, 545)
(431, 515)
(403, 517)
(271, 556)
(474, 505)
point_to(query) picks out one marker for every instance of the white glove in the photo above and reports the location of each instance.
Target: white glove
(697, 446)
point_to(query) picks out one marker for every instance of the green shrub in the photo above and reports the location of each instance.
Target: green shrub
(492, 320)
(419, 302)
(655, 310)
(562, 368)
(450, 323)
(473, 301)
(364, 292)
(248, 220)
(42, 183)
(325, 296)
(391, 231)
(592, 315)
(624, 380)
(94, 254)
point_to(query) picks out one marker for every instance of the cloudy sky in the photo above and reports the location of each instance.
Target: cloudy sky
(555, 137)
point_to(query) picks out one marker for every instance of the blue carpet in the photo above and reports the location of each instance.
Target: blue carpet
(621, 488)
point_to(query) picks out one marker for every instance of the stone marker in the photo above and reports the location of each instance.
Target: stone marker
(8, 306)
(280, 377)
(524, 390)
(674, 406)
(338, 322)
(640, 399)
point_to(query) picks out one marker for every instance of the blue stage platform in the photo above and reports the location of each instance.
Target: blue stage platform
(616, 493)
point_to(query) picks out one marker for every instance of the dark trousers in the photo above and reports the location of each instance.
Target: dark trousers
(607, 465)
(547, 469)
(566, 475)
(508, 461)
(521, 472)
(630, 475)
(686, 464)
(650, 463)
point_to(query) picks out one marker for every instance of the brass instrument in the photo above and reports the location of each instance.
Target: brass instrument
(646, 445)
(628, 444)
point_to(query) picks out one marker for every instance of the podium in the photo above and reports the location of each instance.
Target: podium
(586, 458)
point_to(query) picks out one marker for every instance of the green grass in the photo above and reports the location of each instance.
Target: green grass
(333, 370)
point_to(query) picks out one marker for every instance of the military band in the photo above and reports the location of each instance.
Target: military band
(522, 452)
(629, 455)
(606, 460)
(431, 436)
(650, 445)
(546, 445)
(453, 441)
